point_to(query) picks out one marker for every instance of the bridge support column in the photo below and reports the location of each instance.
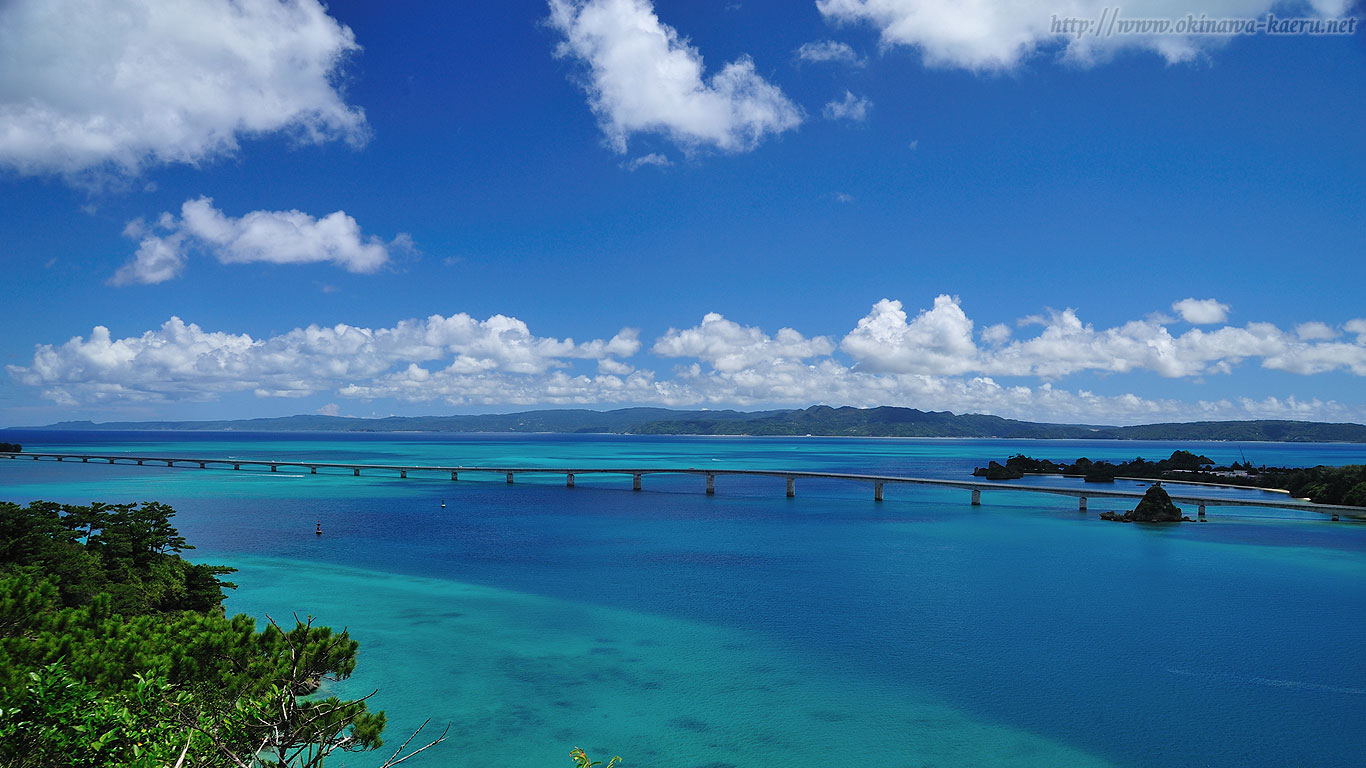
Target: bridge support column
(1201, 513)
(355, 471)
(877, 491)
(569, 480)
(201, 465)
(170, 463)
(273, 467)
(312, 470)
(791, 488)
(635, 482)
(455, 475)
(403, 473)
(85, 460)
(977, 497)
(509, 478)
(234, 466)
(711, 484)
(111, 461)
(59, 458)
(139, 462)
(1081, 503)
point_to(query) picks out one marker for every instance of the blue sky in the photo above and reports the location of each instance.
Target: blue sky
(228, 210)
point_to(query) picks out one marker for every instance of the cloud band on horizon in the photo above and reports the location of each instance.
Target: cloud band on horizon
(936, 359)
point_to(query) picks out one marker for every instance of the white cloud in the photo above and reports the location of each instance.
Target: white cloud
(927, 359)
(654, 159)
(1201, 311)
(936, 341)
(642, 77)
(996, 334)
(999, 34)
(273, 237)
(89, 87)
(1315, 331)
(823, 51)
(728, 346)
(851, 107)
(180, 360)
(939, 341)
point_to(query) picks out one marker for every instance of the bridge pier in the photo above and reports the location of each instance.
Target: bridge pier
(1081, 503)
(85, 460)
(1201, 513)
(139, 462)
(976, 497)
(201, 465)
(509, 478)
(312, 470)
(403, 473)
(234, 466)
(273, 467)
(355, 471)
(59, 458)
(877, 491)
(111, 461)
(791, 487)
(455, 475)
(711, 484)
(569, 479)
(635, 481)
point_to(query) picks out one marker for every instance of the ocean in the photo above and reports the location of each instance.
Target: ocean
(746, 629)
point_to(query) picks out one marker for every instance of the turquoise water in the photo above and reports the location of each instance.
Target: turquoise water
(747, 629)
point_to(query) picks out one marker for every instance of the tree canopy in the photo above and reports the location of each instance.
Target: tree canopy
(115, 651)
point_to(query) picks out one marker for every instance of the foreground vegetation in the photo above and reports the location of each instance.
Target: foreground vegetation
(1322, 485)
(115, 651)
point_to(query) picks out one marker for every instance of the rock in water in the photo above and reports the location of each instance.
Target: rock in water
(1155, 507)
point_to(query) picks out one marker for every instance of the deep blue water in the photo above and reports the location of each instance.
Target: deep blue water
(748, 629)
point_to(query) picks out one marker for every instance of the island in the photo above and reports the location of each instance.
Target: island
(1344, 485)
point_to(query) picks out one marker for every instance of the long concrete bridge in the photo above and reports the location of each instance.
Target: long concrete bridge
(878, 482)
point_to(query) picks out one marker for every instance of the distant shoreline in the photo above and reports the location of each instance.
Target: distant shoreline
(816, 421)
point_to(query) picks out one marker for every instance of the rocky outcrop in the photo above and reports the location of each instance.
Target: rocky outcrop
(1155, 507)
(994, 471)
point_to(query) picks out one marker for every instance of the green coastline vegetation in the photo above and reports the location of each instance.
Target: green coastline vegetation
(1345, 485)
(115, 651)
(818, 420)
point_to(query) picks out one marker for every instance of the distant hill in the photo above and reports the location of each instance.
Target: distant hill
(819, 420)
(567, 420)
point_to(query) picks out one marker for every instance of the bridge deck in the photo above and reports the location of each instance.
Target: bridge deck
(638, 472)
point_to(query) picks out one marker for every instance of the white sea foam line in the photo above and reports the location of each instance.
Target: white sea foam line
(1271, 682)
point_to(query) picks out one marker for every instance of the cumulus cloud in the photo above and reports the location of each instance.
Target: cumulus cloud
(89, 87)
(851, 107)
(937, 340)
(180, 360)
(642, 77)
(999, 34)
(1201, 311)
(829, 51)
(933, 358)
(728, 346)
(272, 237)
